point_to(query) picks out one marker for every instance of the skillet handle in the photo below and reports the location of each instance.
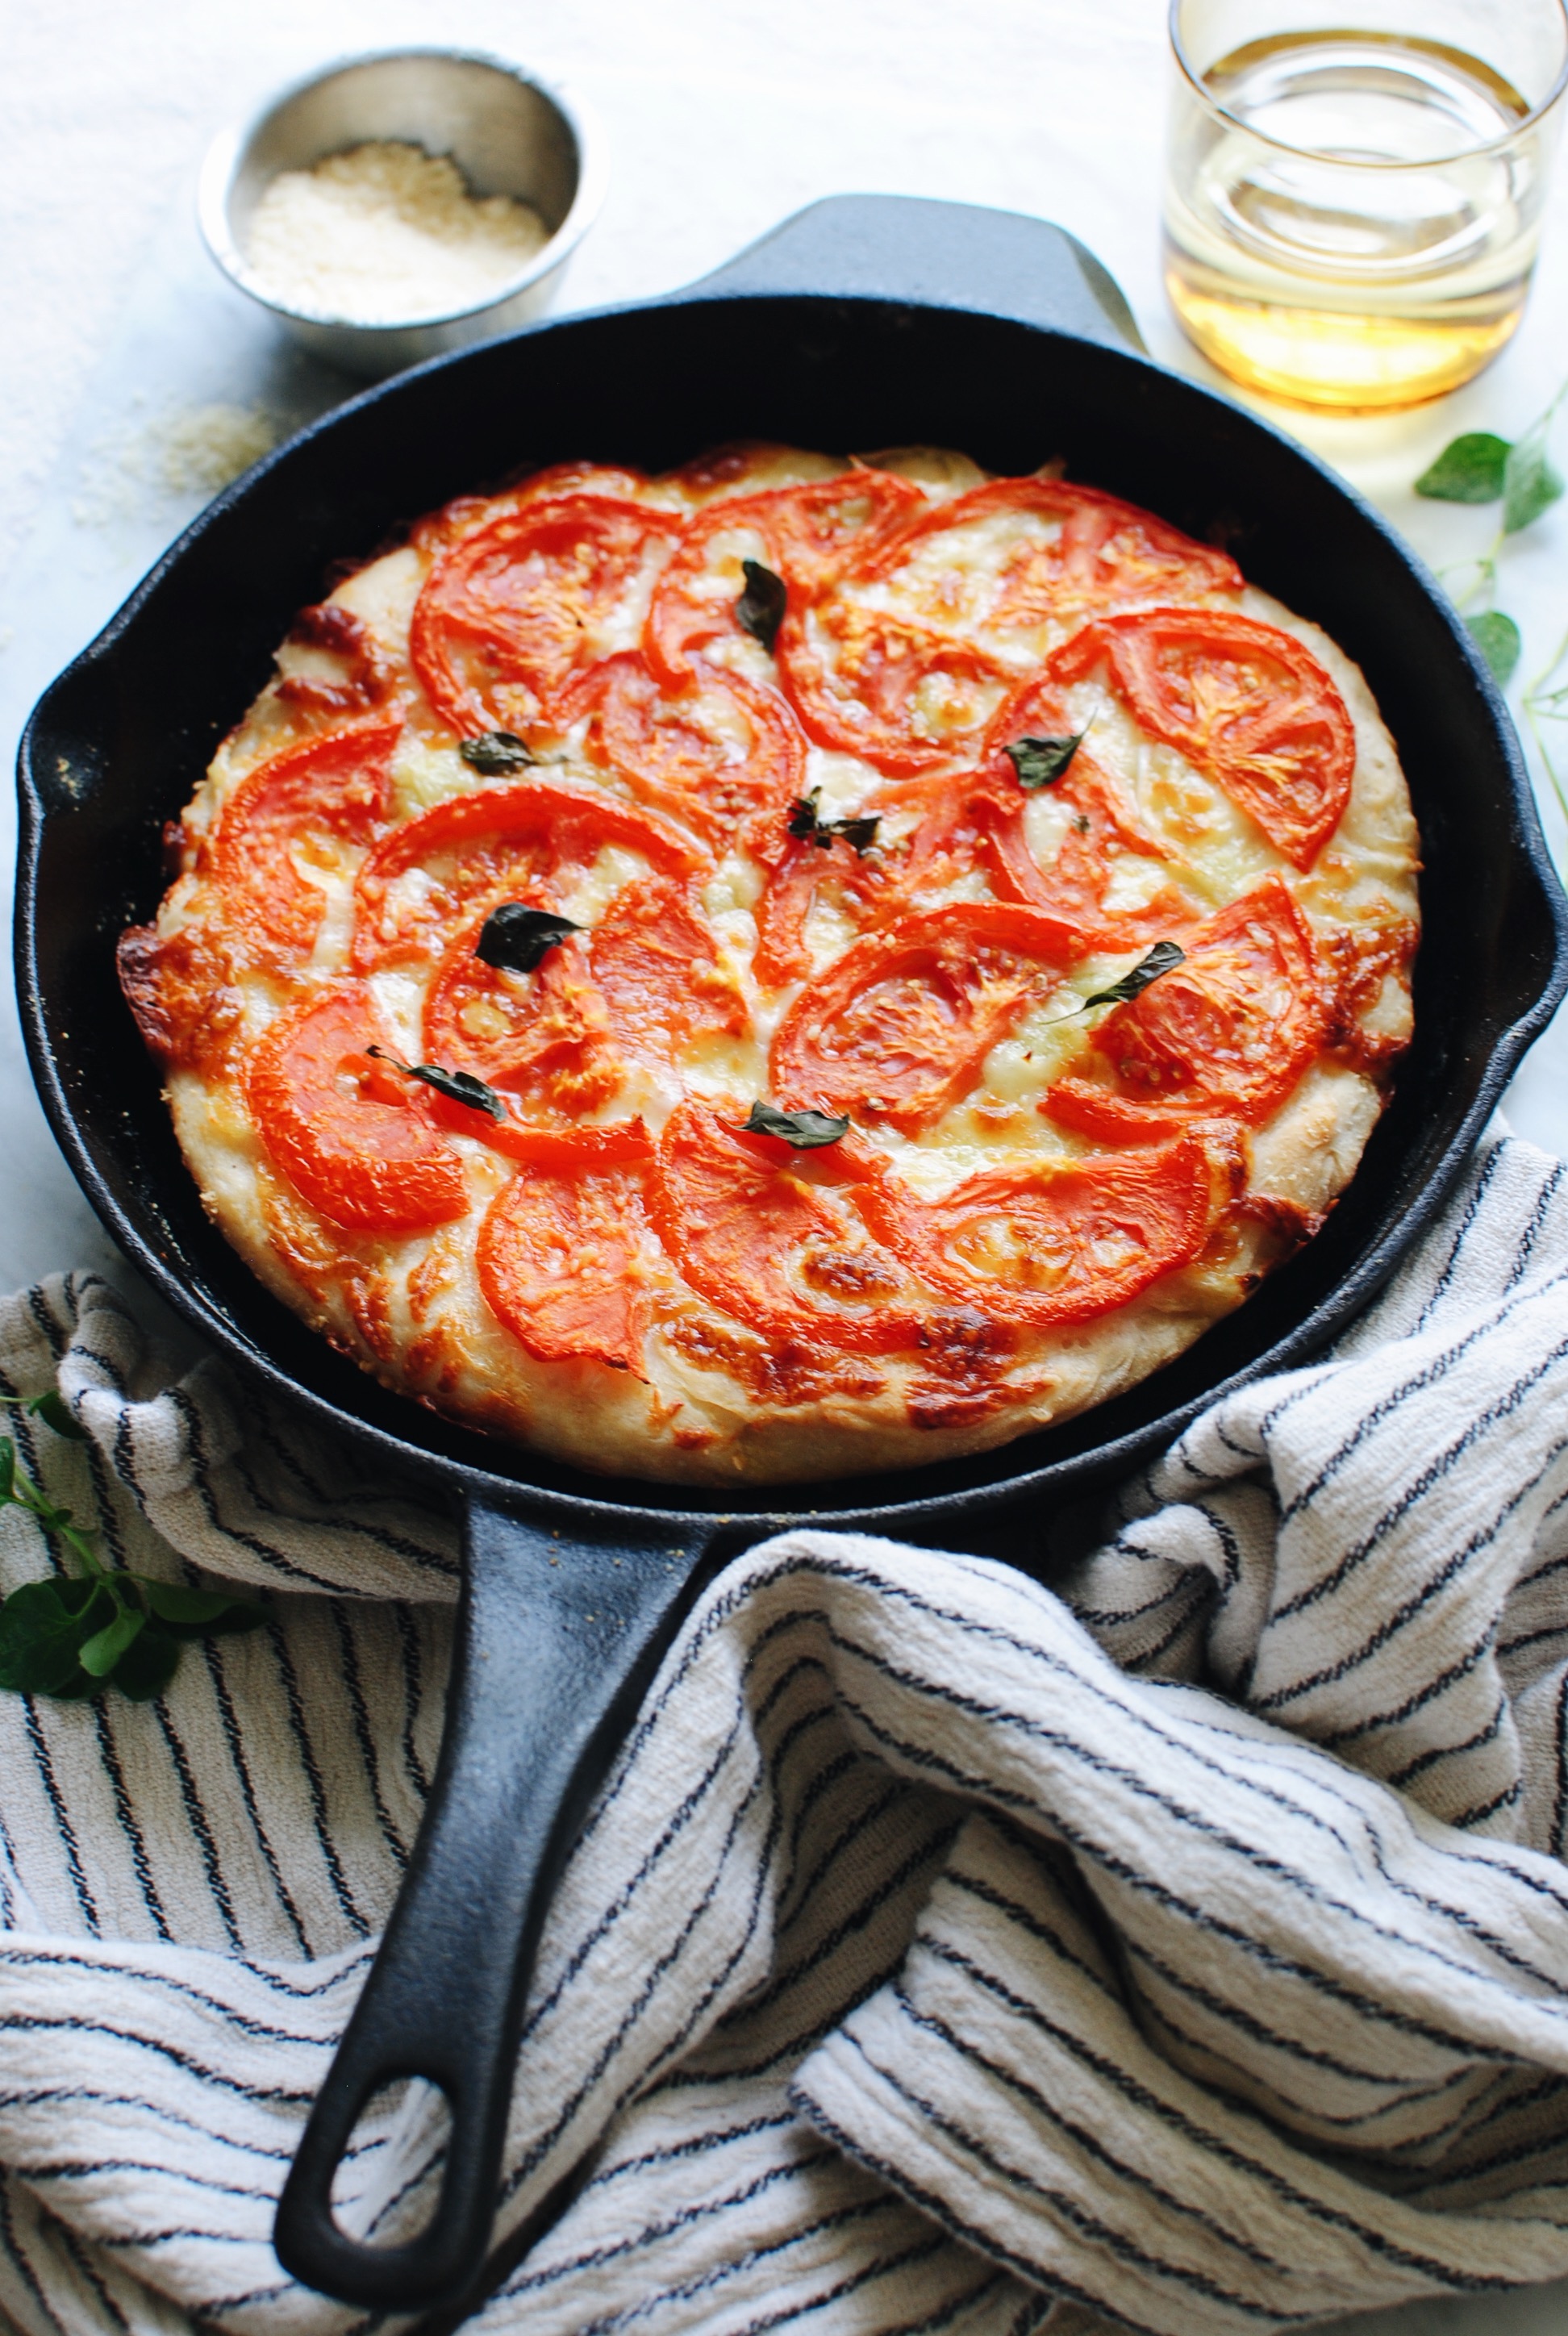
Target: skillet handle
(949, 255)
(557, 1640)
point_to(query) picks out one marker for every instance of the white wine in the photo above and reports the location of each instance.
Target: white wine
(1352, 219)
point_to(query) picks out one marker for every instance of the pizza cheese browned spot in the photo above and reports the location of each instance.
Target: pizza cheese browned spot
(785, 969)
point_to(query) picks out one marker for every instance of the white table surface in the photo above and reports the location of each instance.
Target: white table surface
(722, 116)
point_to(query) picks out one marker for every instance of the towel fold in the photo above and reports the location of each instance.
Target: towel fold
(1182, 1947)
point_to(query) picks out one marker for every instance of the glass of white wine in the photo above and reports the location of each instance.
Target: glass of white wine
(1352, 215)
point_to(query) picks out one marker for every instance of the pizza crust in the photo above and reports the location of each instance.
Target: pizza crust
(720, 1403)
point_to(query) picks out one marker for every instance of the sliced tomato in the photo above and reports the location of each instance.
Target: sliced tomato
(1226, 1034)
(1077, 551)
(1059, 1243)
(496, 844)
(563, 1258)
(940, 852)
(902, 695)
(1102, 829)
(515, 609)
(806, 534)
(543, 1034)
(711, 751)
(771, 1235)
(369, 1165)
(900, 1027)
(302, 806)
(655, 963)
(1247, 704)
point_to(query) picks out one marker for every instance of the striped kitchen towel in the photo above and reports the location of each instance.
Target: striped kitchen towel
(1185, 1952)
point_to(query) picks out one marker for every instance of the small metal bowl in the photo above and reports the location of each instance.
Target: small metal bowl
(508, 134)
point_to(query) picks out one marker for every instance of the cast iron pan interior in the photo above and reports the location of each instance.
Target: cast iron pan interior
(863, 323)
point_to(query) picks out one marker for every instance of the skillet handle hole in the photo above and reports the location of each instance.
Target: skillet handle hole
(386, 2186)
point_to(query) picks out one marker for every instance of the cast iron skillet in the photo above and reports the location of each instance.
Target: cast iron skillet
(864, 322)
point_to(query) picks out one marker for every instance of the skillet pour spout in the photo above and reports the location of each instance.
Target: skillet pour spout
(864, 322)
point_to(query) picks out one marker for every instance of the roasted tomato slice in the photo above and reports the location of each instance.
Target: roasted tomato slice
(770, 1235)
(1059, 1243)
(497, 843)
(306, 805)
(543, 1034)
(1101, 836)
(713, 752)
(804, 533)
(514, 609)
(655, 962)
(903, 695)
(1226, 1034)
(563, 1257)
(1247, 704)
(369, 1165)
(900, 1026)
(1064, 553)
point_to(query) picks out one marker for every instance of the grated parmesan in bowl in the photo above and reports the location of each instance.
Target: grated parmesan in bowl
(386, 234)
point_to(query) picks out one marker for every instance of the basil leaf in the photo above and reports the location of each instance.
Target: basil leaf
(494, 751)
(1469, 470)
(1531, 481)
(42, 1626)
(760, 610)
(172, 1603)
(519, 938)
(51, 1410)
(1040, 761)
(7, 1467)
(148, 1665)
(458, 1087)
(859, 829)
(1498, 638)
(98, 1656)
(807, 1131)
(861, 833)
(1160, 960)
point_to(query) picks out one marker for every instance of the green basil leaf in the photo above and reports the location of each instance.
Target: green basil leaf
(760, 610)
(43, 1627)
(148, 1665)
(1160, 960)
(494, 751)
(1469, 470)
(1040, 761)
(1498, 638)
(1531, 481)
(172, 1603)
(807, 1131)
(519, 938)
(100, 1652)
(51, 1408)
(859, 831)
(458, 1087)
(7, 1466)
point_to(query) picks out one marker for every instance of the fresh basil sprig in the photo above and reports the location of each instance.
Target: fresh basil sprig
(1482, 468)
(1041, 762)
(496, 751)
(760, 610)
(75, 1634)
(518, 938)
(458, 1087)
(859, 829)
(806, 1131)
(1161, 958)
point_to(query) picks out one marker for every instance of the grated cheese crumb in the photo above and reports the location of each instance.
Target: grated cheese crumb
(386, 234)
(187, 451)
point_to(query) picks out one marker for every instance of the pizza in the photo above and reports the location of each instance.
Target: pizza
(787, 967)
